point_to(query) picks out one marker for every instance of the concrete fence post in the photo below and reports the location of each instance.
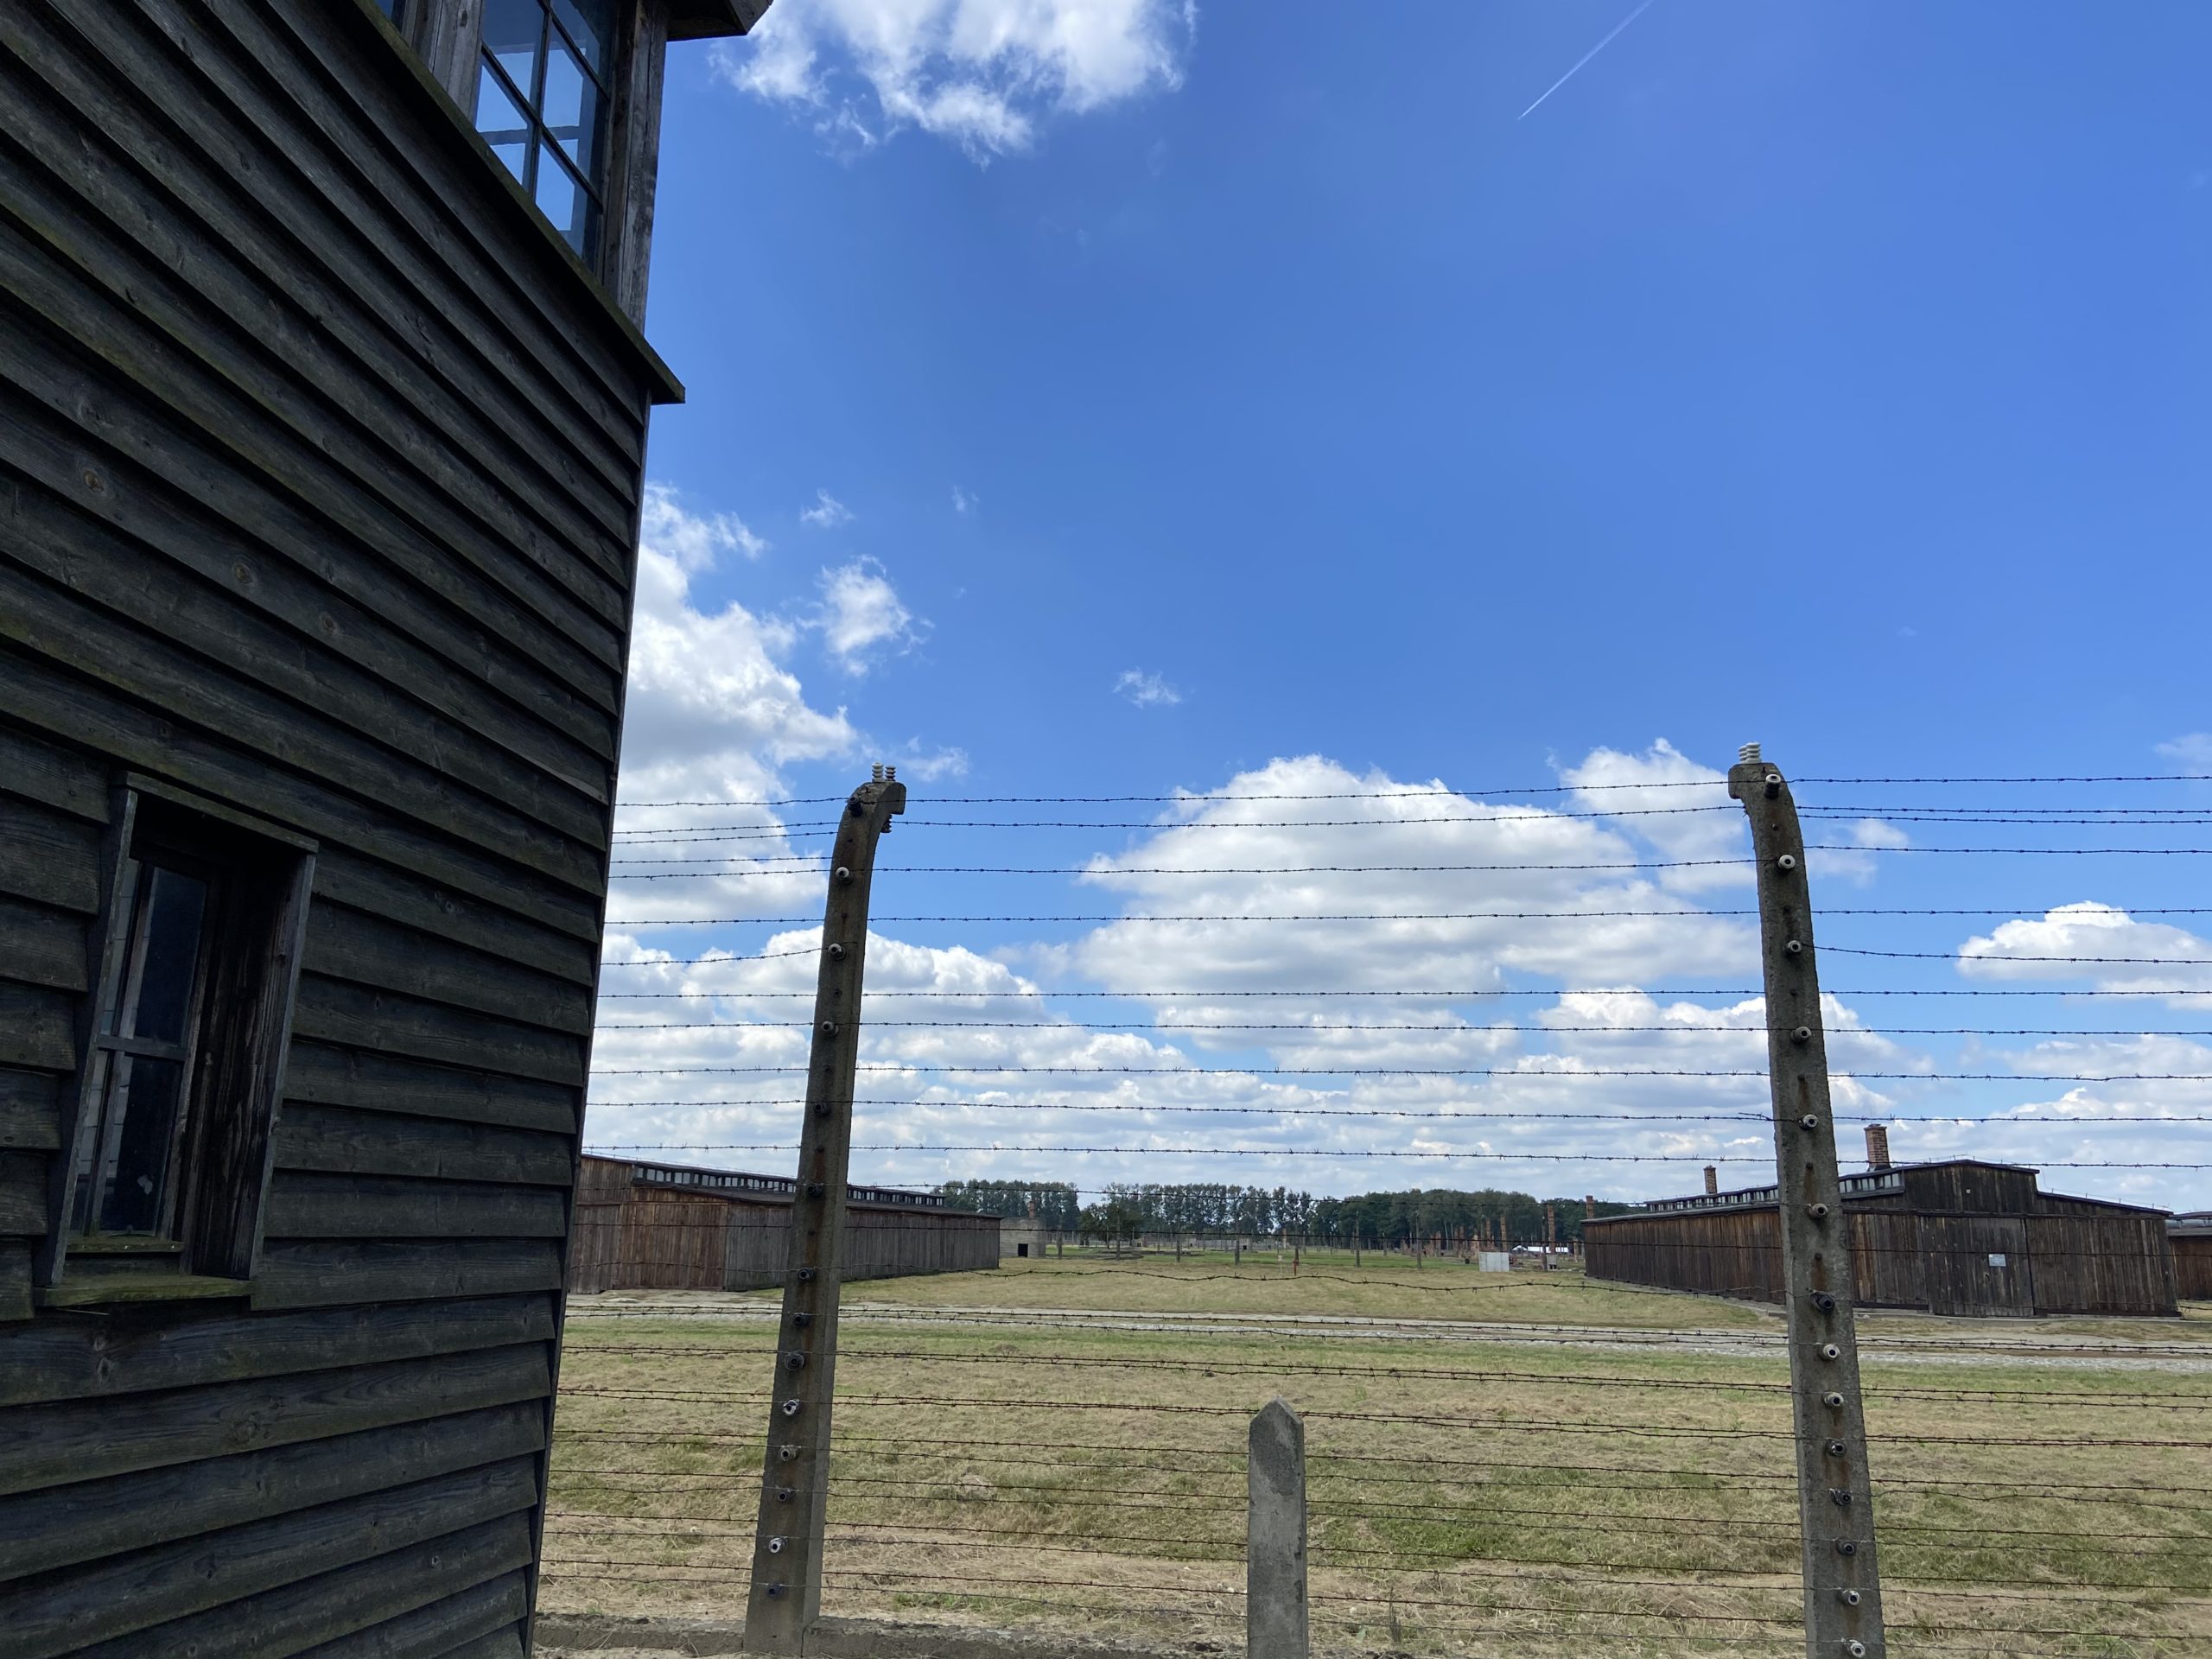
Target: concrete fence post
(787, 1593)
(1835, 1505)
(1274, 1535)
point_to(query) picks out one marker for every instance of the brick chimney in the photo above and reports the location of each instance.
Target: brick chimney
(1878, 1146)
(1711, 1180)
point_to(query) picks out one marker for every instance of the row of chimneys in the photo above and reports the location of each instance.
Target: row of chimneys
(1878, 1156)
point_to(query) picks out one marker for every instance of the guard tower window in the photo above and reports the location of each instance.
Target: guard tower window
(187, 1040)
(540, 103)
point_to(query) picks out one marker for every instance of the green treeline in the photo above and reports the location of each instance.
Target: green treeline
(1201, 1207)
(1057, 1204)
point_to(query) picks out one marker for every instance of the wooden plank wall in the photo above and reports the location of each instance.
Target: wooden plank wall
(1977, 1265)
(1888, 1270)
(658, 1239)
(1714, 1252)
(2088, 1259)
(2115, 1262)
(2192, 1253)
(1969, 1189)
(319, 485)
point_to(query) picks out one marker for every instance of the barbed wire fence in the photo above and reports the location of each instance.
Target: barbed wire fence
(1520, 1462)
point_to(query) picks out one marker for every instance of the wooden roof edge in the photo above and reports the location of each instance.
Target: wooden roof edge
(713, 19)
(2110, 1204)
(711, 1181)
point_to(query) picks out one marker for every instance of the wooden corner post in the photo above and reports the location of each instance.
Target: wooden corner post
(787, 1594)
(1843, 1595)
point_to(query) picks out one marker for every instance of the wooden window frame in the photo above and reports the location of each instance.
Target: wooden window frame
(210, 1224)
(590, 170)
(447, 35)
(133, 905)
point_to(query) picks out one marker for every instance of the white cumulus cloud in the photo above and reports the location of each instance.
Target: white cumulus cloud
(1388, 1035)
(861, 616)
(1713, 847)
(2191, 753)
(707, 693)
(981, 73)
(712, 714)
(1146, 690)
(827, 512)
(2098, 943)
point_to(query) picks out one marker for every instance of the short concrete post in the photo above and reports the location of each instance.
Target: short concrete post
(1274, 1535)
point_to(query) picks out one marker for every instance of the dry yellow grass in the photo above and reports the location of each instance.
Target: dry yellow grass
(1593, 1468)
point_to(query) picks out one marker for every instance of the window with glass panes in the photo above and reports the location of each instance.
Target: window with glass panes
(540, 103)
(198, 966)
(143, 1052)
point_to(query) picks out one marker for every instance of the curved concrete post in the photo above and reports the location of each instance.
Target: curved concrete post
(787, 1593)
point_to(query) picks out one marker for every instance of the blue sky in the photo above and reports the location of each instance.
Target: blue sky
(1113, 399)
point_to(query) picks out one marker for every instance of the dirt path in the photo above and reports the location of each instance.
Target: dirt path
(1924, 1339)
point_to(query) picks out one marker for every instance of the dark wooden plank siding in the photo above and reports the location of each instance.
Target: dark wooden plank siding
(333, 1605)
(320, 478)
(33, 770)
(643, 1237)
(296, 1273)
(305, 1205)
(1887, 1265)
(365, 950)
(1969, 1189)
(2049, 1254)
(2114, 1263)
(55, 623)
(33, 692)
(37, 1027)
(322, 1074)
(341, 1141)
(54, 1613)
(1977, 1265)
(50, 859)
(80, 1359)
(88, 1520)
(480, 1622)
(46, 1445)
(119, 461)
(297, 252)
(263, 365)
(29, 1112)
(42, 944)
(15, 1280)
(1714, 1252)
(2192, 1253)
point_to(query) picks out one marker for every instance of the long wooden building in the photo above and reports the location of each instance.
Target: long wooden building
(322, 418)
(1960, 1237)
(674, 1227)
(2191, 1238)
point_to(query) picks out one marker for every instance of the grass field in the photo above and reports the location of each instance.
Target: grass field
(1500, 1464)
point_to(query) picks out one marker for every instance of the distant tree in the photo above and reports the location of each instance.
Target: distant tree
(1124, 1211)
(1057, 1204)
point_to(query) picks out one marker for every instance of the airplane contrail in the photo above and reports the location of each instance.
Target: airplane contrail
(1585, 58)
